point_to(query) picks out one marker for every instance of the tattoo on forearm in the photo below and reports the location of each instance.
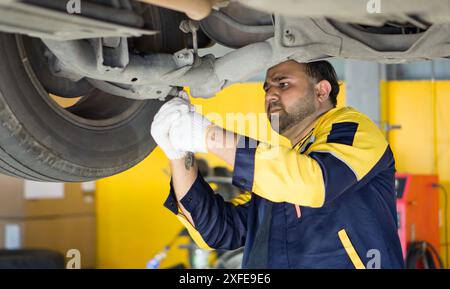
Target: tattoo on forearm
(189, 161)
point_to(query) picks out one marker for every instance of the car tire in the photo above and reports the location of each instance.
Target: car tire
(101, 135)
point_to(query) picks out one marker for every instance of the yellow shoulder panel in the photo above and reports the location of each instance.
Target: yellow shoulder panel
(368, 146)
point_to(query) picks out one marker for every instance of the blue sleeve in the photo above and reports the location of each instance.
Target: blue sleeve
(244, 164)
(221, 224)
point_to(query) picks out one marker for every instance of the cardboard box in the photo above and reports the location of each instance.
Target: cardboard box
(15, 203)
(59, 234)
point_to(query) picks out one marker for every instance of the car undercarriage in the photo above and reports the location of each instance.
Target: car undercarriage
(121, 59)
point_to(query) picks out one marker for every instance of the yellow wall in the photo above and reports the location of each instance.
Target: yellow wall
(422, 145)
(132, 223)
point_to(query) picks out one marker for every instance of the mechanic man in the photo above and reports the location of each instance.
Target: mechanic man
(326, 202)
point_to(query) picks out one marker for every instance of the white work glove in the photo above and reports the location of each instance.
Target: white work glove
(168, 115)
(188, 132)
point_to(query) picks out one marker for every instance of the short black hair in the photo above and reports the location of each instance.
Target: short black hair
(323, 70)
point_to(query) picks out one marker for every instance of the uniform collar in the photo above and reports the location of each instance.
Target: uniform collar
(316, 123)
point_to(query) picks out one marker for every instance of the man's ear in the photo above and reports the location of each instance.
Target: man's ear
(323, 89)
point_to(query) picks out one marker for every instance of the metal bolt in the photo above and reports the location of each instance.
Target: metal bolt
(184, 58)
(290, 39)
(189, 26)
(184, 26)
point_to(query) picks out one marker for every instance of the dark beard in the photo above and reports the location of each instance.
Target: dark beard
(282, 120)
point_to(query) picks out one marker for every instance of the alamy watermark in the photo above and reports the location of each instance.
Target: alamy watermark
(374, 257)
(373, 6)
(73, 6)
(73, 259)
(252, 124)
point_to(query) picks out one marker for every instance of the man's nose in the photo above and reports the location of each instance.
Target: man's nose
(272, 94)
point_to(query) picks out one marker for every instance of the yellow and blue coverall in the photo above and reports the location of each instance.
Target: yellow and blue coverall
(331, 199)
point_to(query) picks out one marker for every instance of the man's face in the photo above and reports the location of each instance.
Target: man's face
(289, 95)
